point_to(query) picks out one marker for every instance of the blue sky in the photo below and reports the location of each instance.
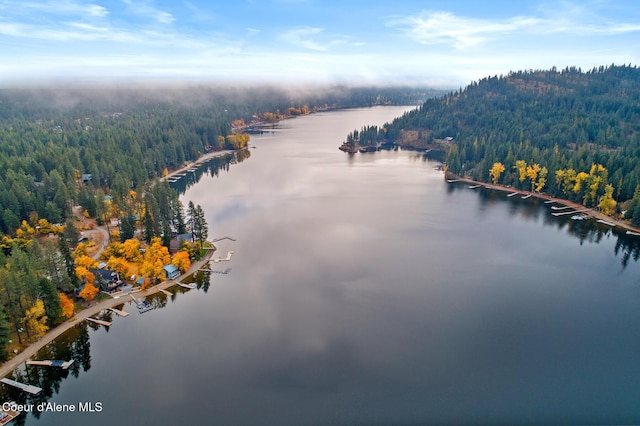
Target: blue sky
(447, 43)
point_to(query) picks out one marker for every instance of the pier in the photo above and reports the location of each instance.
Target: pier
(119, 312)
(604, 222)
(225, 272)
(453, 180)
(168, 293)
(474, 186)
(549, 202)
(571, 212)
(223, 238)
(512, 194)
(34, 390)
(224, 259)
(560, 208)
(526, 196)
(101, 322)
(52, 363)
(633, 233)
(189, 286)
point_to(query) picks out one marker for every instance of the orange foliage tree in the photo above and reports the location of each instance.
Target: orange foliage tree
(86, 261)
(88, 292)
(131, 250)
(84, 275)
(67, 305)
(181, 261)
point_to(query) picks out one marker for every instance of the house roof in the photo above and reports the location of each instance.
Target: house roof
(106, 274)
(170, 269)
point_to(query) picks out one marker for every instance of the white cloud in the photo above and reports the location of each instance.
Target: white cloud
(65, 7)
(303, 37)
(145, 9)
(437, 27)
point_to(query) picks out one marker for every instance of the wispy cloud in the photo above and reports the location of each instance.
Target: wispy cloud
(304, 37)
(64, 7)
(437, 27)
(146, 9)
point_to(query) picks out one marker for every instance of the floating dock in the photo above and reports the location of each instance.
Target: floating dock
(189, 286)
(474, 186)
(224, 259)
(453, 180)
(52, 363)
(101, 322)
(604, 222)
(527, 196)
(34, 390)
(512, 194)
(550, 202)
(168, 293)
(119, 312)
(572, 212)
(561, 208)
(633, 233)
(223, 238)
(225, 272)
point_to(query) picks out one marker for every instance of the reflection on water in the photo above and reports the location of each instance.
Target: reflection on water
(366, 290)
(211, 167)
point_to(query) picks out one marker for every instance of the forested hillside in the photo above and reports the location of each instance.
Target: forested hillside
(565, 132)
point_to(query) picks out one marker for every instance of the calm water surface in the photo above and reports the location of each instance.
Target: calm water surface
(366, 290)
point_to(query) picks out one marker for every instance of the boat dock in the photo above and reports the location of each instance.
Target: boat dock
(168, 293)
(526, 196)
(633, 233)
(225, 272)
(474, 186)
(101, 322)
(34, 390)
(223, 238)
(453, 180)
(512, 194)
(549, 202)
(189, 286)
(560, 208)
(119, 312)
(52, 363)
(604, 222)
(224, 259)
(571, 212)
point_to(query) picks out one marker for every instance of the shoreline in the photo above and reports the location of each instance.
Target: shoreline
(590, 210)
(200, 160)
(10, 365)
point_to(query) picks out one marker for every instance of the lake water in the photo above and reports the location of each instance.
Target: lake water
(365, 289)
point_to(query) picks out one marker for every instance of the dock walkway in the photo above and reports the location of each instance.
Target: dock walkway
(34, 390)
(51, 363)
(101, 322)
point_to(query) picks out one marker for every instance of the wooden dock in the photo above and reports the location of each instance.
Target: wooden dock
(474, 186)
(225, 272)
(512, 194)
(34, 390)
(224, 259)
(561, 208)
(633, 233)
(549, 201)
(571, 212)
(223, 238)
(527, 196)
(453, 180)
(119, 312)
(52, 363)
(101, 322)
(604, 222)
(168, 293)
(189, 286)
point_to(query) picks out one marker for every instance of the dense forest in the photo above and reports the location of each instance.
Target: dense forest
(569, 133)
(72, 159)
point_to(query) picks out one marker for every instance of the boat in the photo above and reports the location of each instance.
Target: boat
(142, 305)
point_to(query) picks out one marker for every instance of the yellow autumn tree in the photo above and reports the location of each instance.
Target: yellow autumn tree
(521, 167)
(81, 250)
(89, 292)
(86, 261)
(36, 320)
(165, 172)
(154, 259)
(607, 203)
(532, 174)
(542, 179)
(496, 171)
(131, 250)
(181, 261)
(84, 274)
(120, 265)
(67, 305)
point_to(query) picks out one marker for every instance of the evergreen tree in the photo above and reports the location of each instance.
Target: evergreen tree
(5, 333)
(51, 301)
(201, 231)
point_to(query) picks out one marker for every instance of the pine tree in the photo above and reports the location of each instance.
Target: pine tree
(5, 333)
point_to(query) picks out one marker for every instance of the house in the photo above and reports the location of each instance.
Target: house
(106, 279)
(176, 243)
(171, 272)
